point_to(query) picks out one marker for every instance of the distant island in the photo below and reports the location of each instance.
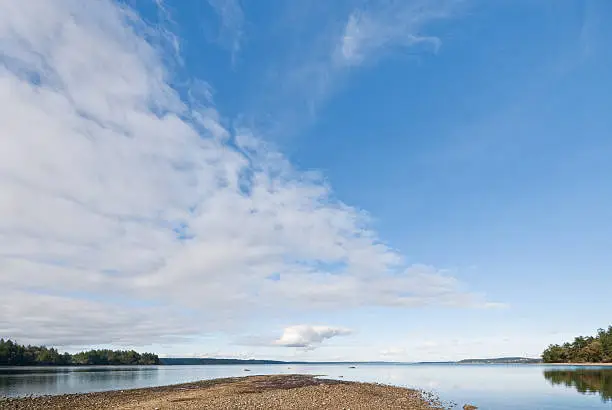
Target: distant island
(191, 361)
(590, 349)
(13, 354)
(501, 360)
(175, 361)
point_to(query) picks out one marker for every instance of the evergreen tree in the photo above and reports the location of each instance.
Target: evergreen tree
(597, 349)
(13, 354)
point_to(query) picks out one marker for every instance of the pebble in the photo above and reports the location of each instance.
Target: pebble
(298, 392)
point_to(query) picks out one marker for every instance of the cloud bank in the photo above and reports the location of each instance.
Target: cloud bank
(124, 208)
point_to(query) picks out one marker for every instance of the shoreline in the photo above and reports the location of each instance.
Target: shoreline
(578, 364)
(251, 392)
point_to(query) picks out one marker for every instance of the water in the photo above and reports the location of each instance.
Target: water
(495, 387)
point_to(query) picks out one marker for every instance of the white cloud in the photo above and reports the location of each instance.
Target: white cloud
(113, 190)
(309, 337)
(318, 63)
(232, 19)
(390, 24)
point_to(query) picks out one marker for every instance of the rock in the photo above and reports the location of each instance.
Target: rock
(469, 407)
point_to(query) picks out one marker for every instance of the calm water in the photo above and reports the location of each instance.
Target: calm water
(488, 386)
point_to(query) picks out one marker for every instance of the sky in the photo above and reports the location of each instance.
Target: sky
(353, 180)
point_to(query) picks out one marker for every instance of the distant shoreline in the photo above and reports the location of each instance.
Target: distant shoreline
(577, 364)
(255, 362)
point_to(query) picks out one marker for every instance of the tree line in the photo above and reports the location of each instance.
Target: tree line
(13, 354)
(590, 349)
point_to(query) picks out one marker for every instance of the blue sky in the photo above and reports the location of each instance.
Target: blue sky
(351, 180)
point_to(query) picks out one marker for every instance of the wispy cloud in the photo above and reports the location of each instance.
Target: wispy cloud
(231, 22)
(321, 61)
(115, 190)
(309, 337)
(389, 25)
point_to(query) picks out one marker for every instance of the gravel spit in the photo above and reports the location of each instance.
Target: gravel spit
(286, 392)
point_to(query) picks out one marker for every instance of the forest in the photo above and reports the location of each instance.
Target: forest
(13, 354)
(589, 349)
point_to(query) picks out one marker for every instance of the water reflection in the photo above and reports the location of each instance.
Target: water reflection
(585, 381)
(496, 387)
(19, 381)
(69, 369)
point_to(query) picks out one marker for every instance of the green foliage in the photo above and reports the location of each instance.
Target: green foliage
(589, 349)
(13, 354)
(114, 357)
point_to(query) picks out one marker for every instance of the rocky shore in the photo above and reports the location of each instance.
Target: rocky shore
(256, 392)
